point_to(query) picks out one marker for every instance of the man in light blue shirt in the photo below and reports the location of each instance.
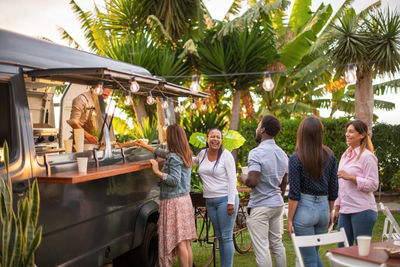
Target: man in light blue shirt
(267, 176)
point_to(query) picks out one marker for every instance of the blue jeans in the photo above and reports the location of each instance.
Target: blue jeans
(311, 218)
(217, 209)
(355, 224)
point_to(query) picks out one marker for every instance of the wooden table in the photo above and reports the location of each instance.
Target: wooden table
(74, 177)
(376, 256)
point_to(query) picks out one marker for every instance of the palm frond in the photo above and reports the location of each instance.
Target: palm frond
(384, 105)
(392, 86)
(233, 10)
(66, 36)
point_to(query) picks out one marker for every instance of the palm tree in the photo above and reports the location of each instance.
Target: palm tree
(142, 33)
(372, 42)
(243, 50)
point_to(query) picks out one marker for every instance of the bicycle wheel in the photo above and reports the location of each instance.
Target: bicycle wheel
(241, 236)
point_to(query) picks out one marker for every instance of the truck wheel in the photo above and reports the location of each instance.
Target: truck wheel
(148, 251)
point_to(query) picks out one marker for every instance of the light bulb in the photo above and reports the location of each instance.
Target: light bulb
(195, 87)
(181, 107)
(99, 88)
(164, 104)
(350, 74)
(134, 86)
(193, 106)
(150, 100)
(128, 100)
(267, 84)
(203, 106)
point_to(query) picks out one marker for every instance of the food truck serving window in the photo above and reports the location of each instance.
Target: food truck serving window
(5, 113)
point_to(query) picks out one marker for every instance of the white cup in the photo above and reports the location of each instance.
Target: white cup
(245, 170)
(364, 243)
(82, 164)
(79, 139)
(68, 145)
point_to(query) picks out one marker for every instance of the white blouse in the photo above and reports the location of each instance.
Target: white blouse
(221, 180)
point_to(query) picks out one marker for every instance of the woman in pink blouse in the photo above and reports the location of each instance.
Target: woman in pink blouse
(358, 179)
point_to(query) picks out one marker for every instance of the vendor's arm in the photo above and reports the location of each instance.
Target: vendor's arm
(91, 139)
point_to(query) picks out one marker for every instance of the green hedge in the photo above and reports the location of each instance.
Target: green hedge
(386, 140)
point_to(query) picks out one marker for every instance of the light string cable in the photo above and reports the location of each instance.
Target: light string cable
(271, 72)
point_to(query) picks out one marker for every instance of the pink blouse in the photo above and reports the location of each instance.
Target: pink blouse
(358, 197)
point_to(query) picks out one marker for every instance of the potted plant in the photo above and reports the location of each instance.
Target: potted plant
(18, 232)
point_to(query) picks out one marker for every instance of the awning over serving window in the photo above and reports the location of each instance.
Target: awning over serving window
(114, 80)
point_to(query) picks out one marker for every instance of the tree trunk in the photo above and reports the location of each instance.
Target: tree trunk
(140, 110)
(162, 136)
(235, 117)
(364, 97)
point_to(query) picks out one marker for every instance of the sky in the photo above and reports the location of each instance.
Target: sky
(41, 18)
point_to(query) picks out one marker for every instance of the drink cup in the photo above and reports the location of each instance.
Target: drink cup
(363, 243)
(79, 140)
(82, 164)
(68, 145)
(245, 170)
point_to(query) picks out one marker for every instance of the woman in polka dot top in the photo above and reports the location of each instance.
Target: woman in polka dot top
(313, 186)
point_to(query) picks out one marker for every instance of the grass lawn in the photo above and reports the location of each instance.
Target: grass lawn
(202, 253)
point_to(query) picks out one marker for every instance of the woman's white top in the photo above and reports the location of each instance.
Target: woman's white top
(221, 180)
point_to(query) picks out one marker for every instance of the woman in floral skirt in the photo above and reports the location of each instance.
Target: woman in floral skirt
(176, 225)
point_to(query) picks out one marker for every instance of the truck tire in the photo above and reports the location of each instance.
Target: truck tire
(148, 251)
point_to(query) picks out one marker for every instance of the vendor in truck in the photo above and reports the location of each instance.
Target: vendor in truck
(83, 114)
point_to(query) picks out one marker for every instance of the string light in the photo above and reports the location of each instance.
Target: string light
(181, 107)
(350, 74)
(134, 86)
(150, 100)
(99, 88)
(164, 104)
(128, 99)
(195, 86)
(193, 106)
(267, 84)
(203, 106)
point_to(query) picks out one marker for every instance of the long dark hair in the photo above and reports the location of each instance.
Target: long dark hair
(309, 148)
(177, 143)
(366, 142)
(220, 150)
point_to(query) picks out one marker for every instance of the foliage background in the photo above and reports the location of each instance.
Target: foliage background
(386, 140)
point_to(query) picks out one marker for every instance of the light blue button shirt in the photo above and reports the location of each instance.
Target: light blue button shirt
(272, 163)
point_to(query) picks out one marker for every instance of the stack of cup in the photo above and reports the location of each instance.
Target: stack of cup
(363, 243)
(79, 140)
(68, 145)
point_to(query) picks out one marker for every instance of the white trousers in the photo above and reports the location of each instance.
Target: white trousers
(264, 225)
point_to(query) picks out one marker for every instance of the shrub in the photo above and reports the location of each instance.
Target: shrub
(386, 140)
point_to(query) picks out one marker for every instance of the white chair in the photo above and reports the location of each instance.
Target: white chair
(317, 240)
(334, 262)
(391, 229)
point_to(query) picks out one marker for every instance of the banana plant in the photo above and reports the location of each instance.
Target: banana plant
(231, 140)
(19, 234)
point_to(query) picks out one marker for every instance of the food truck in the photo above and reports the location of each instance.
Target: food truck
(107, 215)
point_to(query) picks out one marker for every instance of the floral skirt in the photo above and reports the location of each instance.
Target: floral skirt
(176, 224)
